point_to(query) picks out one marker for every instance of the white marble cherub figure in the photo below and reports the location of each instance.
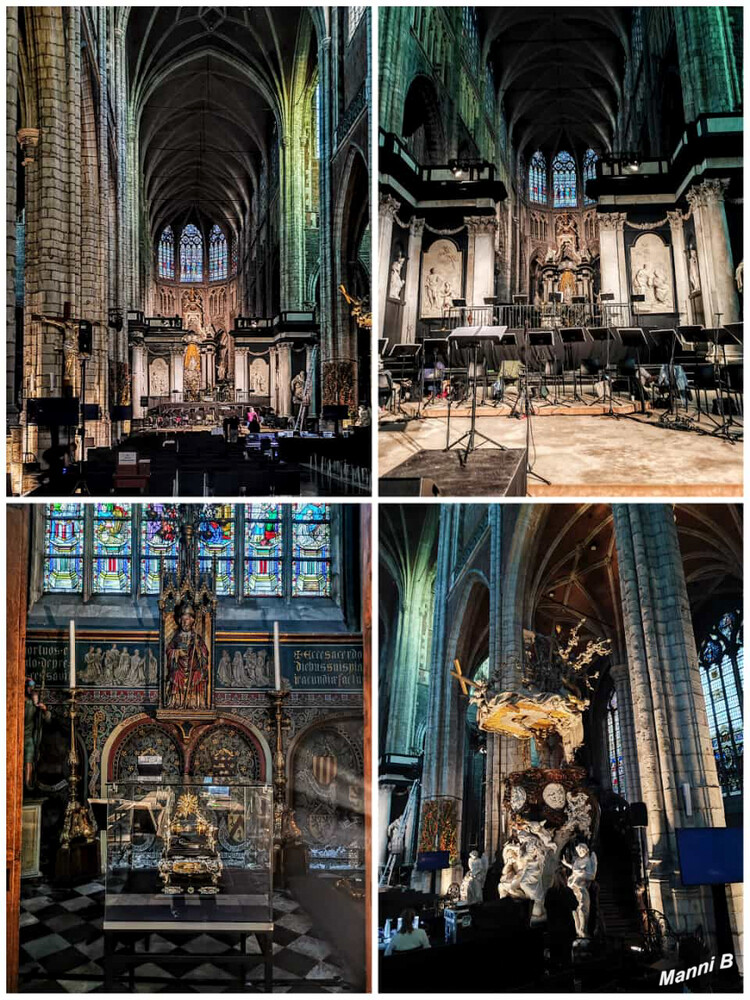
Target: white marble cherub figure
(512, 873)
(582, 874)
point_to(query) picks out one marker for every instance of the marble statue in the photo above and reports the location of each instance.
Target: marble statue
(739, 276)
(159, 378)
(582, 874)
(651, 270)
(512, 873)
(442, 269)
(397, 281)
(693, 270)
(472, 886)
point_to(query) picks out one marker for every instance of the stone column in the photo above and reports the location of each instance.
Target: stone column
(210, 356)
(178, 366)
(679, 783)
(481, 260)
(139, 385)
(679, 253)
(614, 272)
(285, 379)
(411, 289)
(621, 680)
(240, 370)
(714, 252)
(388, 210)
(385, 794)
(312, 375)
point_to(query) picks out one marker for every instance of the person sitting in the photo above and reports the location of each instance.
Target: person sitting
(407, 937)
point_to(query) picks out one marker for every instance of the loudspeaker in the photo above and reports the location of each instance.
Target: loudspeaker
(91, 411)
(85, 338)
(638, 814)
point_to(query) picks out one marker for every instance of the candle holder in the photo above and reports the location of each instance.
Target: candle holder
(76, 856)
(286, 833)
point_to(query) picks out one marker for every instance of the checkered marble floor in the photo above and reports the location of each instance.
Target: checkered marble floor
(62, 938)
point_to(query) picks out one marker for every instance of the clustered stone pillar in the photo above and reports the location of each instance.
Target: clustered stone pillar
(388, 210)
(411, 288)
(676, 764)
(629, 749)
(720, 300)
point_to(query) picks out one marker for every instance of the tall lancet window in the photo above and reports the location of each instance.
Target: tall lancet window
(354, 16)
(614, 746)
(166, 254)
(589, 174)
(217, 255)
(564, 181)
(191, 254)
(538, 178)
(721, 657)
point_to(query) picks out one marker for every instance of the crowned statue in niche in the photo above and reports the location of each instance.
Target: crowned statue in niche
(188, 612)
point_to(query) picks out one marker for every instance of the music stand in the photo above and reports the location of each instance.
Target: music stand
(404, 353)
(523, 393)
(605, 335)
(666, 344)
(573, 339)
(509, 350)
(722, 336)
(382, 345)
(472, 339)
(634, 337)
(532, 338)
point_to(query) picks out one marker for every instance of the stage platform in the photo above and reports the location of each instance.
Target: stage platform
(590, 457)
(488, 472)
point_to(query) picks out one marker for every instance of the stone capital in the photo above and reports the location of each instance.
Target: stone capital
(708, 192)
(389, 206)
(28, 140)
(416, 228)
(675, 219)
(612, 221)
(481, 224)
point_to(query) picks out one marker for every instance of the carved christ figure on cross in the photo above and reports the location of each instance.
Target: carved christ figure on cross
(478, 694)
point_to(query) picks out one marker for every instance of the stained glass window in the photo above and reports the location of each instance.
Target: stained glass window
(264, 555)
(113, 549)
(589, 174)
(564, 181)
(489, 92)
(538, 178)
(166, 254)
(355, 15)
(471, 37)
(614, 747)
(721, 659)
(311, 550)
(217, 255)
(160, 539)
(216, 545)
(191, 254)
(63, 548)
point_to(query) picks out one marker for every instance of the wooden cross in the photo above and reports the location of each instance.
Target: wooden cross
(463, 681)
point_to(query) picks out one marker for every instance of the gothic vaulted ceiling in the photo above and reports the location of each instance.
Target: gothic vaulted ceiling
(559, 73)
(206, 85)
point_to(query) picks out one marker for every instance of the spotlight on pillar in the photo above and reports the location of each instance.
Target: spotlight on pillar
(85, 338)
(456, 169)
(638, 814)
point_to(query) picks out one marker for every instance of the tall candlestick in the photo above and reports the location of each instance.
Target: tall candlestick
(72, 653)
(276, 657)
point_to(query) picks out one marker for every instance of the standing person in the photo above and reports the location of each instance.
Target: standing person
(35, 714)
(407, 938)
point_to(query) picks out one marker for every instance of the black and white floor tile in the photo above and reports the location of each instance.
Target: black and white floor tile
(62, 946)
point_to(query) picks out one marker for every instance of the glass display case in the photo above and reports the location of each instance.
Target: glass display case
(189, 856)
